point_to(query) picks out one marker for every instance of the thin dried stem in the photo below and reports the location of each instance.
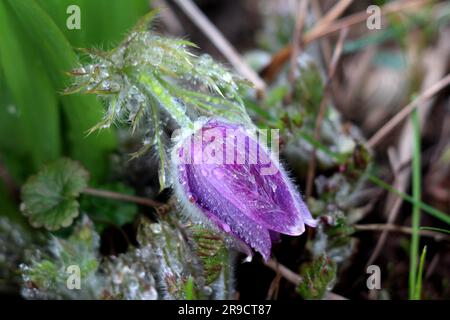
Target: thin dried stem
(323, 107)
(321, 30)
(400, 229)
(297, 38)
(221, 43)
(160, 207)
(325, 45)
(335, 12)
(274, 288)
(289, 275)
(402, 114)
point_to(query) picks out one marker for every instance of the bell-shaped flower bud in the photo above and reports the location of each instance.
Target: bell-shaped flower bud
(227, 178)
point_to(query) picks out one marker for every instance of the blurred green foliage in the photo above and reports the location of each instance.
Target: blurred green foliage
(45, 273)
(37, 123)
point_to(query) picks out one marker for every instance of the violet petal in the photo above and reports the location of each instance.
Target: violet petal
(237, 197)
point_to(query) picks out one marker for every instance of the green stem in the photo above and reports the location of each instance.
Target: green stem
(227, 287)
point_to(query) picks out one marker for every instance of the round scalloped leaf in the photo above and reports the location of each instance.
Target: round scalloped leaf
(49, 198)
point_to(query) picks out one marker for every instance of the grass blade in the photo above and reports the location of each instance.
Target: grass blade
(418, 289)
(435, 229)
(416, 190)
(423, 206)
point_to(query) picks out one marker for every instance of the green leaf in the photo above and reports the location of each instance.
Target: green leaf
(207, 104)
(210, 249)
(13, 151)
(165, 100)
(81, 112)
(50, 197)
(31, 114)
(189, 292)
(160, 148)
(316, 278)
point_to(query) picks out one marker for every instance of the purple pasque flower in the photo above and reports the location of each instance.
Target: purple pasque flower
(227, 178)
